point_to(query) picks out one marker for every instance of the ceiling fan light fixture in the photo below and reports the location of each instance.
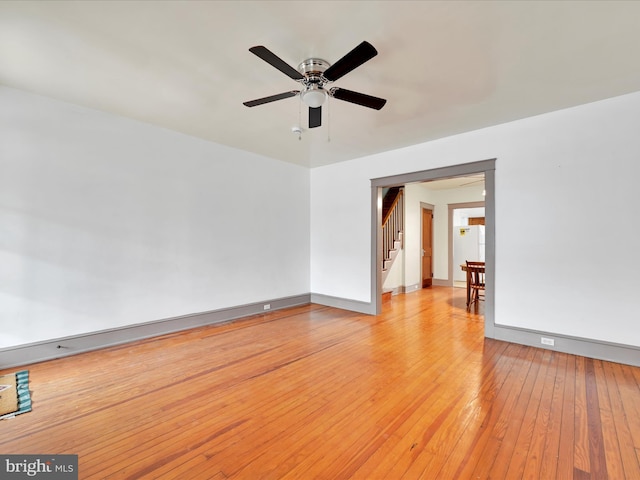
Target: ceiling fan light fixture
(314, 97)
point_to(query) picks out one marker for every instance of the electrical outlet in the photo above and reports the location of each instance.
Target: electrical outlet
(547, 341)
(267, 306)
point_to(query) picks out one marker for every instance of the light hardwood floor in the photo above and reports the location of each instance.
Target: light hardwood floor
(316, 392)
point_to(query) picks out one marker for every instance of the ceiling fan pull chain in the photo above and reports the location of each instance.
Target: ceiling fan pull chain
(300, 118)
(328, 120)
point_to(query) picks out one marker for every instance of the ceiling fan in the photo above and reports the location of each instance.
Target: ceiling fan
(314, 74)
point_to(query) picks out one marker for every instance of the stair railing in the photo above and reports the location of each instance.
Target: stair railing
(393, 226)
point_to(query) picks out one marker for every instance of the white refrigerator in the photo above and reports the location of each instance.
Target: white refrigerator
(468, 244)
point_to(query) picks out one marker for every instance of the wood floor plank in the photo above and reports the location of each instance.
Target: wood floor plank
(478, 460)
(524, 440)
(318, 392)
(566, 439)
(533, 464)
(421, 437)
(610, 436)
(628, 382)
(597, 455)
(456, 445)
(350, 446)
(581, 459)
(508, 427)
(553, 412)
(440, 415)
(623, 425)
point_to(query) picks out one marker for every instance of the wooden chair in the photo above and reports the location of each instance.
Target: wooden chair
(475, 283)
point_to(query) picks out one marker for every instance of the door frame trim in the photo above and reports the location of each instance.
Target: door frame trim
(377, 184)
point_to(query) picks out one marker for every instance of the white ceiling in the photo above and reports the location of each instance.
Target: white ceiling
(445, 67)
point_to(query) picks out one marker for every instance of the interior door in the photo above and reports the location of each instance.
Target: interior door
(427, 247)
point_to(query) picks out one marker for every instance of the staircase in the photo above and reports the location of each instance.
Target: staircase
(392, 227)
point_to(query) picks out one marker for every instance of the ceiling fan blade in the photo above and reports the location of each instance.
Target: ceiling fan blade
(357, 98)
(272, 98)
(352, 60)
(272, 59)
(315, 117)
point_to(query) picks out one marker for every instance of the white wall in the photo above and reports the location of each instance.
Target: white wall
(106, 222)
(395, 277)
(575, 172)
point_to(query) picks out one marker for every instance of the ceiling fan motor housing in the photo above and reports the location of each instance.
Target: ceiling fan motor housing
(312, 69)
(314, 93)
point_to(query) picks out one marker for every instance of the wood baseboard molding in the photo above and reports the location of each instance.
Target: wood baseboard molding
(61, 347)
(612, 352)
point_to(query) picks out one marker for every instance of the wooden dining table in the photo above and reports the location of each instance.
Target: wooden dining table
(464, 269)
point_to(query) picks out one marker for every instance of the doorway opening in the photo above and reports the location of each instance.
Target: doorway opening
(466, 238)
(485, 167)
